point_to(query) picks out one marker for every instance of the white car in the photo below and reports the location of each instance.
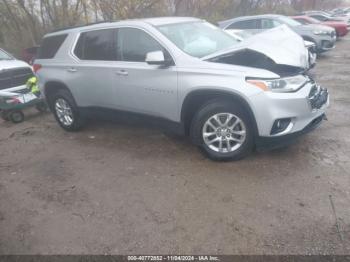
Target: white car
(13, 73)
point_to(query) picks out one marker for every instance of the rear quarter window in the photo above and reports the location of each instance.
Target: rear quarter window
(50, 46)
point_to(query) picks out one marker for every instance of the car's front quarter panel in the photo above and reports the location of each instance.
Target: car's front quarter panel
(229, 82)
(271, 106)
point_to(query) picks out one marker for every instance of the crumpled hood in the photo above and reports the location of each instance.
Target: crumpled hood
(281, 44)
(9, 64)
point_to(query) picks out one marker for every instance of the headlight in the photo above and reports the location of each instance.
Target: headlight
(281, 85)
(320, 32)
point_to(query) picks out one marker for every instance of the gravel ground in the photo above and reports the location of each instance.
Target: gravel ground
(118, 188)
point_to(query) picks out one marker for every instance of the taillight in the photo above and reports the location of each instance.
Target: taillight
(37, 67)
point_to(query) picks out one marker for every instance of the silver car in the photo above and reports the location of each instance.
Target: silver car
(323, 36)
(187, 73)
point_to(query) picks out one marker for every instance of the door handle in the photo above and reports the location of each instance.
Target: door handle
(122, 72)
(72, 70)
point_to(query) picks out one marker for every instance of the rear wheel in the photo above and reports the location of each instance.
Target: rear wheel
(223, 130)
(66, 111)
(16, 116)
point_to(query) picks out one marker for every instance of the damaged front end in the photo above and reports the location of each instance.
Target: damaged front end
(251, 58)
(279, 50)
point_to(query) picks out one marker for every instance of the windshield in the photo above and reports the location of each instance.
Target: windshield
(198, 39)
(5, 56)
(289, 21)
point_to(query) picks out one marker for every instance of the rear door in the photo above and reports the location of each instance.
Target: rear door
(91, 77)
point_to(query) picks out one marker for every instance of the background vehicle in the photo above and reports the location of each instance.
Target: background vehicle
(325, 17)
(323, 37)
(339, 12)
(13, 73)
(341, 28)
(228, 97)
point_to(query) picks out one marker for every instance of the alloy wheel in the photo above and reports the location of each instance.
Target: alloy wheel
(224, 132)
(64, 112)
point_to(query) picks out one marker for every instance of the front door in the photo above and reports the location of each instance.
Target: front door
(140, 87)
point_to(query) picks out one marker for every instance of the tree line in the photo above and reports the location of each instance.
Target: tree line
(24, 22)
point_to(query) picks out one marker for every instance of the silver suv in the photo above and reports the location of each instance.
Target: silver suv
(227, 97)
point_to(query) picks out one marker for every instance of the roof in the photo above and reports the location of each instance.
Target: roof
(241, 18)
(157, 21)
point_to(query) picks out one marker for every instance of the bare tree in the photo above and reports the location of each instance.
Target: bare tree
(24, 22)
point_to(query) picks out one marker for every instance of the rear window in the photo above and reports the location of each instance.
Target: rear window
(301, 21)
(50, 46)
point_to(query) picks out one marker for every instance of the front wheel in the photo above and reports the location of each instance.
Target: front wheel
(223, 130)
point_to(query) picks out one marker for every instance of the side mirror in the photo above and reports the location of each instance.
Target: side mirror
(156, 58)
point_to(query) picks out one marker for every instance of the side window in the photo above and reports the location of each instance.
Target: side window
(96, 45)
(319, 17)
(50, 46)
(133, 45)
(301, 21)
(246, 24)
(269, 23)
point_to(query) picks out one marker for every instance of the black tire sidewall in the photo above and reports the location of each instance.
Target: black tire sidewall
(77, 119)
(222, 106)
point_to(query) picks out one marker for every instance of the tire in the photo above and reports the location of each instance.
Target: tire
(69, 118)
(16, 116)
(239, 128)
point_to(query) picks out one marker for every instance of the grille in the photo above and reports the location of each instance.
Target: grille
(14, 77)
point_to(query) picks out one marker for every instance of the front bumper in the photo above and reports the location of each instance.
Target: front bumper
(325, 43)
(268, 143)
(301, 107)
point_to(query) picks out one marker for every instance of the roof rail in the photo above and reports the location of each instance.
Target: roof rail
(77, 26)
